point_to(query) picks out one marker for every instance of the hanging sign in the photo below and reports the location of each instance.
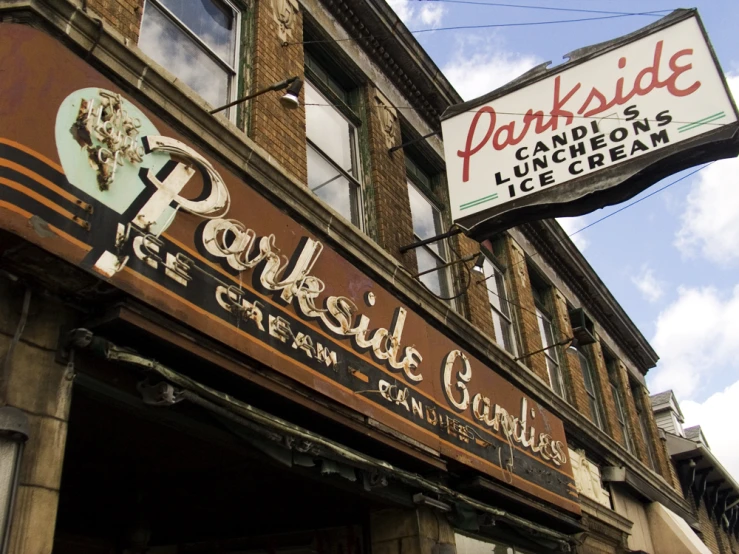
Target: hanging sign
(105, 184)
(592, 132)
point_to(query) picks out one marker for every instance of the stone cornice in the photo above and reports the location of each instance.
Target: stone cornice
(110, 53)
(386, 39)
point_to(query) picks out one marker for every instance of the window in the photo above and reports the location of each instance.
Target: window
(540, 290)
(636, 393)
(618, 401)
(590, 387)
(427, 223)
(499, 306)
(197, 41)
(333, 159)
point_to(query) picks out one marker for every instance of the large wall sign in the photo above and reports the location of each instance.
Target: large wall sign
(591, 132)
(91, 176)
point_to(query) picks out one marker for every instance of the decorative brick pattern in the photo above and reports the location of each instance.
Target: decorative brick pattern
(124, 15)
(278, 130)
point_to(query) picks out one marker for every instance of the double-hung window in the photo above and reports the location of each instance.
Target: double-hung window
(540, 290)
(499, 306)
(427, 223)
(334, 172)
(196, 40)
(590, 388)
(636, 393)
(619, 402)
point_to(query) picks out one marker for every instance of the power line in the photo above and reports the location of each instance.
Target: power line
(488, 26)
(527, 257)
(573, 116)
(657, 13)
(676, 181)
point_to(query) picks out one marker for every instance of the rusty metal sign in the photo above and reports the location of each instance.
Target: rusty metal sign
(124, 196)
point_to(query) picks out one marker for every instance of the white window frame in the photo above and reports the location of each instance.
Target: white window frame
(621, 417)
(443, 255)
(231, 70)
(588, 375)
(492, 271)
(355, 155)
(551, 354)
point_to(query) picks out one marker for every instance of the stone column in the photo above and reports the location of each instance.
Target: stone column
(420, 531)
(42, 389)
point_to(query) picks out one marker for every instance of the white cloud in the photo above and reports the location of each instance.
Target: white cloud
(651, 288)
(697, 337)
(720, 430)
(572, 225)
(709, 222)
(432, 14)
(404, 10)
(480, 65)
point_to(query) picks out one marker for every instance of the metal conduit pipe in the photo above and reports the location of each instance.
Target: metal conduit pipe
(261, 422)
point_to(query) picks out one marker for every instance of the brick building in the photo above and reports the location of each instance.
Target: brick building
(712, 491)
(215, 341)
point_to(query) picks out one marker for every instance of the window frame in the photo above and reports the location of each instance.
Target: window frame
(619, 401)
(540, 291)
(232, 72)
(442, 256)
(498, 271)
(638, 405)
(594, 400)
(337, 103)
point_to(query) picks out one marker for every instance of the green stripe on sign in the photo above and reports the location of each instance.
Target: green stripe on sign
(467, 205)
(704, 121)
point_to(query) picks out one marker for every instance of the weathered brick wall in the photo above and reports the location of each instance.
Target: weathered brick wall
(632, 416)
(574, 380)
(673, 475)
(708, 533)
(523, 299)
(280, 131)
(476, 306)
(124, 15)
(613, 427)
(387, 195)
(653, 435)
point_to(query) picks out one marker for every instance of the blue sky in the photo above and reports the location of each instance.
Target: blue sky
(672, 260)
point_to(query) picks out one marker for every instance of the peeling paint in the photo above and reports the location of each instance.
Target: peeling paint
(41, 227)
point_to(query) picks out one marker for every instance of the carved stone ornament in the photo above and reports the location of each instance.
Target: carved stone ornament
(285, 13)
(388, 117)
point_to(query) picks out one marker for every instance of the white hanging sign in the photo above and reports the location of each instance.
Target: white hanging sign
(564, 141)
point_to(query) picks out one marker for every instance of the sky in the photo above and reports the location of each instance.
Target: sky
(671, 260)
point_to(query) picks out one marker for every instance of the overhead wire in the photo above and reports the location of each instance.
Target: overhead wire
(637, 201)
(656, 13)
(568, 116)
(468, 27)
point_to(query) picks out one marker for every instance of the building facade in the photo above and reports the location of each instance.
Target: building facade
(712, 491)
(222, 335)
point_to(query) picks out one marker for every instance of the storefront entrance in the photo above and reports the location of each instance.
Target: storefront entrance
(166, 480)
